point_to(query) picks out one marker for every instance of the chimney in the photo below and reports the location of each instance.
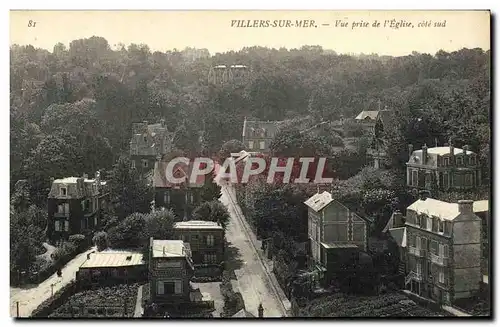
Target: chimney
(424, 154)
(410, 150)
(452, 150)
(163, 250)
(465, 206)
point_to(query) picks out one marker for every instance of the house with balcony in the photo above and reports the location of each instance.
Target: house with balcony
(443, 168)
(258, 135)
(148, 144)
(336, 235)
(74, 206)
(182, 197)
(444, 250)
(206, 240)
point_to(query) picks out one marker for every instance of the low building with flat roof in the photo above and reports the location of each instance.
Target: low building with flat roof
(112, 266)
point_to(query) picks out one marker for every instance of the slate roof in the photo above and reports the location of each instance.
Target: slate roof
(399, 235)
(437, 208)
(160, 178)
(433, 153)
(157, 142)
(76, 188)
(108, 259)
(319, 201)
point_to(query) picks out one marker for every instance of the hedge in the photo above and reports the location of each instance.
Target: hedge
(58, 299)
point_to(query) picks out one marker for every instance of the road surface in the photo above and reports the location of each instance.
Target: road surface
(30, 298)
(254, 284)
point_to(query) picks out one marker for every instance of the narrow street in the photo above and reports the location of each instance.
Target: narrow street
(31, 297)
(254, 283)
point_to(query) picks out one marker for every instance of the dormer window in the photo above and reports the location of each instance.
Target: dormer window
(64, 191)
(472, 160)
(440, 226)
(460, 161)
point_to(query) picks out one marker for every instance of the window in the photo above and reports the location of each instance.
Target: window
(66, 226)
(132, 164)
(440, 226)
(418, 244)
(210, 240)
(169, 287)
(144, 163)
(429, 223)
(210, 258)
(472, 160)
(64, 191)
(57, 226)
(263, 132)
(250, 144)
(418, 220)
(145, 138)
(191, 198)
(414, 178)
(446, 180)
(262, 145)
(95, 221)
(443, 250)
(419, 268)
(468, 180)
(446, 161)
(441, 277)
(194, 237)
(84, 205)
(166, 197)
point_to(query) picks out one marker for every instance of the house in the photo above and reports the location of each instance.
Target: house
(336, 234)
(170, 271)
(444, 249)
(442, 168)
(182, 198)
(482, 210)
(399, 235)
(74, 206)
(112, 266)
(369, 119)
(222, 74)
(257, 135)
(206, 240)
(149, 142)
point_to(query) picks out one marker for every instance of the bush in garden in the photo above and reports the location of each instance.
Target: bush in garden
(79, 241)
(100, 240)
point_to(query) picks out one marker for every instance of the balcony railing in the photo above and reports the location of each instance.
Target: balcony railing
(439, 260)
(416, 251)
(413, 276)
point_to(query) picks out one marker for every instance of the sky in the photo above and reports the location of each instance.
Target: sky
(166, 30)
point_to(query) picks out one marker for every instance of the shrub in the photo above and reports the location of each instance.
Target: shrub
(100, 240)
(79, 241)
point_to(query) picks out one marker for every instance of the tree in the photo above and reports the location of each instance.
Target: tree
(101, 241)
(129, 233)
(231, 146)
(212, 211)
(210, 190)
(128, 190)
(159, 225)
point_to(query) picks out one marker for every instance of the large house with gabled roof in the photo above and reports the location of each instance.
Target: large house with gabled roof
(257, 135)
